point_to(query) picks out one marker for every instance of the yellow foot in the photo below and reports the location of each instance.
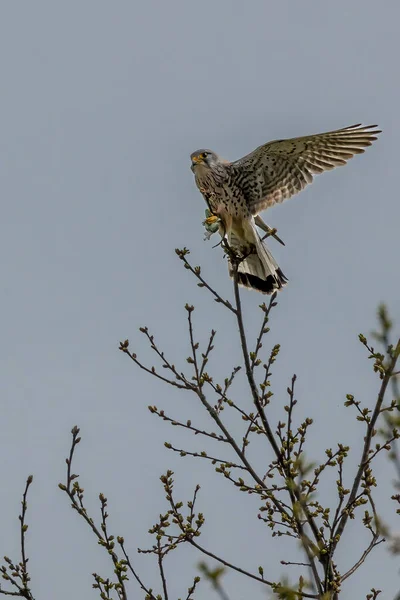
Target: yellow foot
(211, 220)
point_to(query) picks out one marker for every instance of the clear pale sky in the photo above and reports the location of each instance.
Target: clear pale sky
(101, 105)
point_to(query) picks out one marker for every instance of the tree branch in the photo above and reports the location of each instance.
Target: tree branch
(367, 443)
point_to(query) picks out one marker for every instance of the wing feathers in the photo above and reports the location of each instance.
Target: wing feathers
(281, 168)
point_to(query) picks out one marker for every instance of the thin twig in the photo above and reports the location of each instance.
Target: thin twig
(374, 542)
(152, 370)
(367, 443)
(215, 460)
(187, 425)
(238, 569)
(205, 356)
(74, 491)
(134, 572)
(24, 571)
(203, 283)
(17, 574)
(263, 329)
(161, 569)
(297, 564)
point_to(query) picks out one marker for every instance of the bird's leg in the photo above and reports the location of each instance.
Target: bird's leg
(225, 226)
(227, 222)
(269, 231)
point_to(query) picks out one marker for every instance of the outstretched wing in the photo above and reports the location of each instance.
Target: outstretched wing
(280, 169)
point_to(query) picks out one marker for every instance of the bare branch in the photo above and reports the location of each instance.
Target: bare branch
(17, 573)
(386, 376)
(374, 542)
(197, 273)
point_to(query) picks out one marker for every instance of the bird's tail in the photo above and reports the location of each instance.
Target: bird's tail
(258, 269)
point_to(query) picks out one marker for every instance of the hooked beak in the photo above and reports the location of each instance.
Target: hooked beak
(196, 160)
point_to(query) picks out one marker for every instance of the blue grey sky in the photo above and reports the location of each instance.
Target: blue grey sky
(101, 105)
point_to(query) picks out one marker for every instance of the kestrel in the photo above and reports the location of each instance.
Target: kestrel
(237, 191)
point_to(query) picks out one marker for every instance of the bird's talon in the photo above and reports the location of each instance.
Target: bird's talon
(211, 220)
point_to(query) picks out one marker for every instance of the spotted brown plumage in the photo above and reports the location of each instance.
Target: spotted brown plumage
(238, 191)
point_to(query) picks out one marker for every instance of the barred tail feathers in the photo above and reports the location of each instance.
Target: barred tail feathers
(259, 270)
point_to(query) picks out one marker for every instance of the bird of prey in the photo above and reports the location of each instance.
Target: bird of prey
(236, 192)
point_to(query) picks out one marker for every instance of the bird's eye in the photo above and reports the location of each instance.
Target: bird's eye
(204, 155)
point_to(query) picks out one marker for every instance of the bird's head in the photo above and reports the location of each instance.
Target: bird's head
(203, 159)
